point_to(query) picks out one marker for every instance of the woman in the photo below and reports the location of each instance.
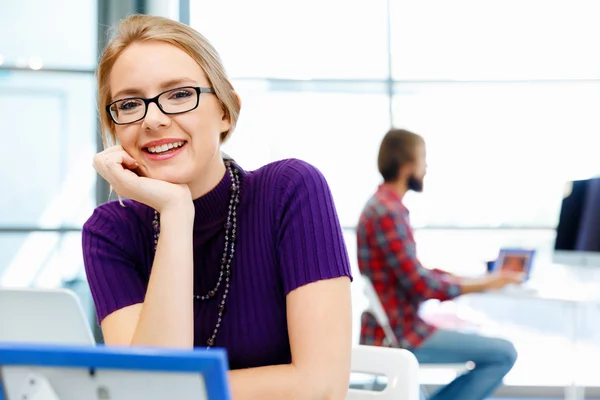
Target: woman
(205, 253)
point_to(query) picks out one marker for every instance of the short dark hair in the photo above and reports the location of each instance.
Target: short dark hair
(397, 148)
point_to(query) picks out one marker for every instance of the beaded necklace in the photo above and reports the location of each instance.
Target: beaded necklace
(228, 252)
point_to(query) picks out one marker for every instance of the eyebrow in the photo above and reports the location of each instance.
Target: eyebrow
(172, 83)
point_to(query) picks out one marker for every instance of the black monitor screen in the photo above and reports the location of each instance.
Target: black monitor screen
(579, 222)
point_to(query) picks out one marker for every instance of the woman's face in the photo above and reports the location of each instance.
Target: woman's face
(188, 149)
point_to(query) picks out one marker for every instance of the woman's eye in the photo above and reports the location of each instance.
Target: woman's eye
(180, 94)
(128, 105)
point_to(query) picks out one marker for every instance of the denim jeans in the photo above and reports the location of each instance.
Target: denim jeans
(493, 359)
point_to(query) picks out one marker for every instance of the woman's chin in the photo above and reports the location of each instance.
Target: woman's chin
(177, 179)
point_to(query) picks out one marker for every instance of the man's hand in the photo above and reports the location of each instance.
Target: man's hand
(493, 281)
(500, 279)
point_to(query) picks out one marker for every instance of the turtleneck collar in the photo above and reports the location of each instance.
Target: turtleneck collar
(211, 208)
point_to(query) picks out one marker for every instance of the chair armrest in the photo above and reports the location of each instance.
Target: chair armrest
(399, 366)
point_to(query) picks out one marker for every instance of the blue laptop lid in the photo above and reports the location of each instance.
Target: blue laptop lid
(211, 364)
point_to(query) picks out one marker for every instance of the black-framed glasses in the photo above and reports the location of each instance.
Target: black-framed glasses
(173, 101)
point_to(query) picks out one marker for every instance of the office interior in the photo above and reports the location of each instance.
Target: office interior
(505, 93)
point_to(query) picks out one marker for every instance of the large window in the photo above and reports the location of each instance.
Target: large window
(502, 150)
(311, 39)
(494, 40)
(505, 94)
(47, 95)
(48, 34)
(50, 117)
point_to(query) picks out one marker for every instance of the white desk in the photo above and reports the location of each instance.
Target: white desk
(578, 297)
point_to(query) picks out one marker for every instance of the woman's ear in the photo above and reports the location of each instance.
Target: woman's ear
(226, 119)
(238, 100)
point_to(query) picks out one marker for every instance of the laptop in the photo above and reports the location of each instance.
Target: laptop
(47, 351)
(33, 371)
(43, 316)
(515, 260)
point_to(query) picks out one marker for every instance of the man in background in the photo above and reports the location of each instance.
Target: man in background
(387, 256)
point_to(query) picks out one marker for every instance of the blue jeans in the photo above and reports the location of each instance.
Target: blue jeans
(493, 359)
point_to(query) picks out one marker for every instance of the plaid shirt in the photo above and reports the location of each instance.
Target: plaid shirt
(387, 256)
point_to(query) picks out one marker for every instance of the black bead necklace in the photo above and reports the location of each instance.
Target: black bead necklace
(228, 252)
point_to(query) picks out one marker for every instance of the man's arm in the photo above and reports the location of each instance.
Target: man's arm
(483, 283)
(445, 274)
(393, 234)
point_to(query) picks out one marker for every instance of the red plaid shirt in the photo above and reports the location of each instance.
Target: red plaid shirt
(387, 256)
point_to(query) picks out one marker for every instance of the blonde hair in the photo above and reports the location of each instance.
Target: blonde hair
(143, 28)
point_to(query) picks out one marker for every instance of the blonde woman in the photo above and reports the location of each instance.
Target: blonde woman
(204, 253)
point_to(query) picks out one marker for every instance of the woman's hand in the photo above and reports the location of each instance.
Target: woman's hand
(118, 168)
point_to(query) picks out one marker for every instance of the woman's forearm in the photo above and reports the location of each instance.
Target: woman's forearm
(265, 383)
(287, 382)
(167, 318)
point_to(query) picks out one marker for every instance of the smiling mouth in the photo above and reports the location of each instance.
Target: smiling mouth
(165, 148)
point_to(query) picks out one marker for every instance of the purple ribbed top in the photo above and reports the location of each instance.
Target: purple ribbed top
(288, 236)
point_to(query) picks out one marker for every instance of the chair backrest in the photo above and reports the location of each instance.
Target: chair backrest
(376, 308)
(398, 366)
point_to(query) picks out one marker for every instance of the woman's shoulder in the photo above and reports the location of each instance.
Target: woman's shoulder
(289, 183)
(287, 173)
(118, 217)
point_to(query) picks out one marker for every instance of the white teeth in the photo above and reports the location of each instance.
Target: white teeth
(165, 147)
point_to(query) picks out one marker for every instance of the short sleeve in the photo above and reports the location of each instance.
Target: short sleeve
(113, 274)
(311, 245)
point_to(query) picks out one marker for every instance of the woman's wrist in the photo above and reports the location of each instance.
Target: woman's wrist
(179, 212)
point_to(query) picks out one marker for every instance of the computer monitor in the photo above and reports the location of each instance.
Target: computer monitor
(578, 231)
(52, 316)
